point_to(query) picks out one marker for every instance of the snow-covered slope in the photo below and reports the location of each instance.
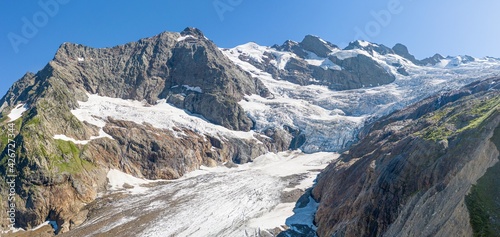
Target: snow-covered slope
(331, 119)
(97, 109)
(215, 202)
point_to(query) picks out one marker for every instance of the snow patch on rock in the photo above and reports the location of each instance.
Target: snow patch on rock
(97, 109)
(17, 112)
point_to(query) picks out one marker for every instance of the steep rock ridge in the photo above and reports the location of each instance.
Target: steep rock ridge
(315, 61)
(159, 67)
(317, 46)
(402, 51)
(370, 47)
(436, 60)
(410, 174)
(432, 60)
(63, 161)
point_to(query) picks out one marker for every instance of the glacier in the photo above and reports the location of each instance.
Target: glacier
(331, 120)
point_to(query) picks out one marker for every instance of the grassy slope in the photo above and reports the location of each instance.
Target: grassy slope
(483, 201)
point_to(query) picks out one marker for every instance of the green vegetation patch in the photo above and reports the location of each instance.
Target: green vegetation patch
(69, 160)
(482, 112)
(483, 202)
(449, 121)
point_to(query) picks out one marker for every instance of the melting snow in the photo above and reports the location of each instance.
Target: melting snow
(217, 201)
(345, 54)
(162, 115)
(324, 63)
(65, 138)
(304, 215)
(102, 134)
(363, 43)
(117, 179)
(191, 88)
(17, 112)
(53, 224)
(186, 37)
(257, 53)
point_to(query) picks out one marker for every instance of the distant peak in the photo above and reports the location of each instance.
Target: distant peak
(439, 56)
(68, 49)
(358, 44)
(369, 47)
(192, 31)
(317, 45)
(314, 38)
(401, 48)
(286, 46)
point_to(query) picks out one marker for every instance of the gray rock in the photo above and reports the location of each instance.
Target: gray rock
(432, 60)
(409, 175)
(316, 45)
(379, 48)
(402, 51)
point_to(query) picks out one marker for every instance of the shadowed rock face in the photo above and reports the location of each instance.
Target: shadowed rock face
(317, 46)
(402, 51)
(348, 73)
(410, 174)
(432, 60)
(379, 48)
(159, 67)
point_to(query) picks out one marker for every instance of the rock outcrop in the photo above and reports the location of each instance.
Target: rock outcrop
(402, 51)
(432, 60)
(186, 65)
(317, 46)
(314, 62)
(409, 176)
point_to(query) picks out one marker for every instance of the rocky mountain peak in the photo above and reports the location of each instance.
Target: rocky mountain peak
(432, 60)
(402, 51)
(379, 48)
(286, 46)
(184, 68)
(69, 157)
(317, 45)
(192, 31)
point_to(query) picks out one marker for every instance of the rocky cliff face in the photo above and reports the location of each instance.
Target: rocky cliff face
(62, 160)
(315, 61)
(409, 176)
(185, 66)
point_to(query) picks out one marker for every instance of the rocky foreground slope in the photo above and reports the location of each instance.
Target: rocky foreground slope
(427, 170)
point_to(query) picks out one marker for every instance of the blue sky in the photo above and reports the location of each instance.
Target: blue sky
(425, 26)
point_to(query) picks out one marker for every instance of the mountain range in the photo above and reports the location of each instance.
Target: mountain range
(417, 140)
